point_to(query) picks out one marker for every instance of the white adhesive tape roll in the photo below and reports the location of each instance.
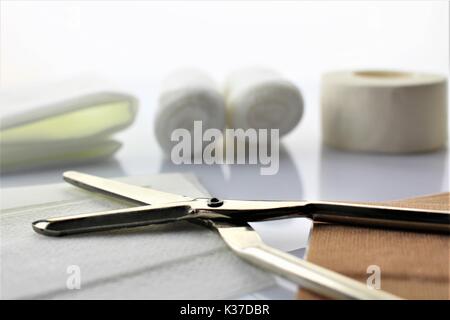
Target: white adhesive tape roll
(384, 111)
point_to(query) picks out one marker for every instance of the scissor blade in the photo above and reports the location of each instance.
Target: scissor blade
(122, 190)
(246, 243)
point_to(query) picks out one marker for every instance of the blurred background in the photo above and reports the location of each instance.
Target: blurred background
(136, 43)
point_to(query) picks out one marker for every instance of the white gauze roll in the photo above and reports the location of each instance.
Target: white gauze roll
(384, 111)
(262, 99)
(186, 96)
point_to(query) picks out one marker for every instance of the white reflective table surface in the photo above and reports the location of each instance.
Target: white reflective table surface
(308, 170)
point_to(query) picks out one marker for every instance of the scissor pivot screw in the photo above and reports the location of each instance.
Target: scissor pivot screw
(214, 202)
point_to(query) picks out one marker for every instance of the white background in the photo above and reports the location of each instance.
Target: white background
(146, 39)
(136, 44)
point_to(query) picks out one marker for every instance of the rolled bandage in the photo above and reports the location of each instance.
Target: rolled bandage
(186, 96)
(384, 111)
(262, 99)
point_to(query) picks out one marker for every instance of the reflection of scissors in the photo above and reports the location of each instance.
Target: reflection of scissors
(230, 218)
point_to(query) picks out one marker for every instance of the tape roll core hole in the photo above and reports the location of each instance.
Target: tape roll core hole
(382, 74)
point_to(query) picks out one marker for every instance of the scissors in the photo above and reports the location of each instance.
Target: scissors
(230, 218)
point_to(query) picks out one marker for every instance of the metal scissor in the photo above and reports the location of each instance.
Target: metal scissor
(230, 218)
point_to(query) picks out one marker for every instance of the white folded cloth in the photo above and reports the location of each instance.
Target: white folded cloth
(262, 99)
(65, 122)
(17, 157)
(187, 95)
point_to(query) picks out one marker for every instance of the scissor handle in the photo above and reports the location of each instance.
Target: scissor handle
(110, 220)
